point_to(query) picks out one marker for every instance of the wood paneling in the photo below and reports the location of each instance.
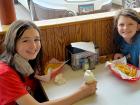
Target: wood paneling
(56, 37)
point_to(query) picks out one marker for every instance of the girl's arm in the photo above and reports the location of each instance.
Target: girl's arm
(82, 92)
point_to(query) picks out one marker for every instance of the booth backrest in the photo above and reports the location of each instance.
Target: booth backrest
(56, 34)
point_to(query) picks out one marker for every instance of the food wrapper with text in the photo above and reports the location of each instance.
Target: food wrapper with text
(121, 69)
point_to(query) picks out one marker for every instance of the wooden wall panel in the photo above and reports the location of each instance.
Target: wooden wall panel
(56, 37)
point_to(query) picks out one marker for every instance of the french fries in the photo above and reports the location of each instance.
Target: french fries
(130, 71)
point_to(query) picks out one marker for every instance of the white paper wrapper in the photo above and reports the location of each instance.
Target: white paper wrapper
(59, 79)
(111, 66)
(89, 77)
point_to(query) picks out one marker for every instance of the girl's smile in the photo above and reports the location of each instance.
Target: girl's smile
(127, 28)
(29, 45)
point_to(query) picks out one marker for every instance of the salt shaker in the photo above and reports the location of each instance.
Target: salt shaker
(85, 64)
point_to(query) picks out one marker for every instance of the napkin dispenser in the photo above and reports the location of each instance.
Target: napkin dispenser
(81, 59)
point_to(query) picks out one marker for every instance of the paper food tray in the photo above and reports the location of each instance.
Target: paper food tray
(119, 73)
(123, 75)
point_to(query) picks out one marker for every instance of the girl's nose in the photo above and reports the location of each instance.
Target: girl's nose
(125, 27)
(33, 45)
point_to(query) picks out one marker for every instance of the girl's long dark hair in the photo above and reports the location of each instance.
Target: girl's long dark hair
(14, 33)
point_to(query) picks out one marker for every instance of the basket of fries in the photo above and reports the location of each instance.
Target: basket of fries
(125, 71)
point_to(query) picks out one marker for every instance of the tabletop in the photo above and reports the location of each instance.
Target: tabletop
(111, 90)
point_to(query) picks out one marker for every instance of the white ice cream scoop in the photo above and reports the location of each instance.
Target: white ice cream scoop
(89, 77)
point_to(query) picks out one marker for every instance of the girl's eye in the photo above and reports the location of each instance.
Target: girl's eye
(121, 24)
(37, 39)
(130, 23)
(25, 41)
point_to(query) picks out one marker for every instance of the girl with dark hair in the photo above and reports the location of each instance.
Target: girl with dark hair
(127, 35)
(20, 62)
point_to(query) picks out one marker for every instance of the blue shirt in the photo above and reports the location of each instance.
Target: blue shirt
(132, 49)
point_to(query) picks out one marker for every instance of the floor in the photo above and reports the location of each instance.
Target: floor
(23, 13)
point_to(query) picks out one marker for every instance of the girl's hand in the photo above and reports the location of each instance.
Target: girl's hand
(44, 78)
(88, 89)
(118, 56)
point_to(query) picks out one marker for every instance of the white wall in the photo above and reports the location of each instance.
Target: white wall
(119, 2)
(24, 3)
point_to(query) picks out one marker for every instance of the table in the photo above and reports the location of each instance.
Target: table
(111, 90)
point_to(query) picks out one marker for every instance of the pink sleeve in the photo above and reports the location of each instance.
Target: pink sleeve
(11, 87)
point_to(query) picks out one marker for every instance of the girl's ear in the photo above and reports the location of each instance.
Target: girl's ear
(138, 28)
